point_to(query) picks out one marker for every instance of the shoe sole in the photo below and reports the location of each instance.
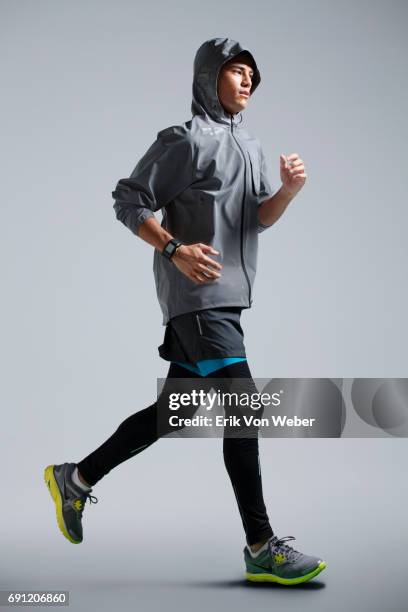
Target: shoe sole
(55, 493)
(287, 581)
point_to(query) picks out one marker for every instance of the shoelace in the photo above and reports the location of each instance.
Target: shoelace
(82, 499)
(276, 545)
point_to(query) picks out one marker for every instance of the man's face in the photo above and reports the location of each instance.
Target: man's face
(235, 79)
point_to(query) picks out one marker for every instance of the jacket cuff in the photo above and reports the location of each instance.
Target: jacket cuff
(262, 227)
(132, 217)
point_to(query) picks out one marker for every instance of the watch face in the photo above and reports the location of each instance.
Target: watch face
(170, 248)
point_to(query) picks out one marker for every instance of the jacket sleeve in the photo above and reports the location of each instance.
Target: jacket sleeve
(164, 171)
(266, 190)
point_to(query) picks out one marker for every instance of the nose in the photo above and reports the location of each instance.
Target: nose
(246, 81)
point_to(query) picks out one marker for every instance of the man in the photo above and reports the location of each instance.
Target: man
(208, 176)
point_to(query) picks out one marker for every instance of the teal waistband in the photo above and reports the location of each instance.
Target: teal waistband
(206, 366)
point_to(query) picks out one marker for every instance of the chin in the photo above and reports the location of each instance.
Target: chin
(238, 108)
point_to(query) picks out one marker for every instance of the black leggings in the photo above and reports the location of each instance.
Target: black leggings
(241, 454)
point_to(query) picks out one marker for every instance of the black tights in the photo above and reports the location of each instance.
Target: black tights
(241, 454)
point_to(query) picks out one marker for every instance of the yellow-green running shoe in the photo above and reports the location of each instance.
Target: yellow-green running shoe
(279, 562)
(69, 500)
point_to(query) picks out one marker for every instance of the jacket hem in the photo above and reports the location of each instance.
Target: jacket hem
(206, 307)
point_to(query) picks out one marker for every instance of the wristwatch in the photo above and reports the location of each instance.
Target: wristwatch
(171, 247)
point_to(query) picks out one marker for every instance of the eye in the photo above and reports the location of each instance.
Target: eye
(251, 76)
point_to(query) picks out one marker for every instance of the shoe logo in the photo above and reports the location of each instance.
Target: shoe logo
(77, 504)
(279, 558)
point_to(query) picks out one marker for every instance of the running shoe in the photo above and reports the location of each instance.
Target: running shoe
(279, 562)
(69, 500)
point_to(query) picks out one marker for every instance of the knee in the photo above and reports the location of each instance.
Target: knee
(241, 445)
(143, 420)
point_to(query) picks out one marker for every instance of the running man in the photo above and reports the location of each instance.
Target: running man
(208, 177)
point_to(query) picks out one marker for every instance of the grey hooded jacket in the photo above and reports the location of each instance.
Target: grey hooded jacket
(208, 176)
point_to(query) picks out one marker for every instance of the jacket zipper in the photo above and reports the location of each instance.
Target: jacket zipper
(242, 218)
(199, 325)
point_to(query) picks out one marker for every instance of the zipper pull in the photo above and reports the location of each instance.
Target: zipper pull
(232, 129)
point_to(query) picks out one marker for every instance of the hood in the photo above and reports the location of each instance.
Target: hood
(209, 58)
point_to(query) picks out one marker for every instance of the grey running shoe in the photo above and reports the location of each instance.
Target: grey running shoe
(69, 499)
(281, 563)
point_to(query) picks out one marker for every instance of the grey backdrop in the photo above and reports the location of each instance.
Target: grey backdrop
(86, 86)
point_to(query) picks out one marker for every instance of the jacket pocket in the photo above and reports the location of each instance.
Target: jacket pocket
(255, 173)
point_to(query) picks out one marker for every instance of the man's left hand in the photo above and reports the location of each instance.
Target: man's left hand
(292, 173)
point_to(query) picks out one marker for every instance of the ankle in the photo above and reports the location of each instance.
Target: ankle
(258, 545)
(82, 479)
